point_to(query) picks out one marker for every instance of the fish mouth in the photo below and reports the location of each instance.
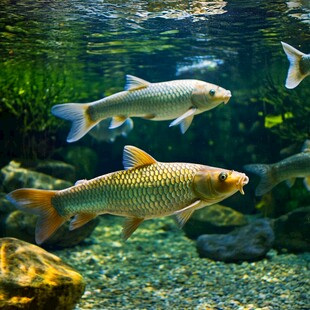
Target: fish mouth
(244, 180)
(227, 96)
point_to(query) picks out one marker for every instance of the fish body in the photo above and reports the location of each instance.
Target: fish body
(102, 132)
(179, 100)
(299, 65)
(288, 169)
(145, 189)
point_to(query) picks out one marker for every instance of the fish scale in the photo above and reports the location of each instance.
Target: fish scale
(145, 191)
(146, 101)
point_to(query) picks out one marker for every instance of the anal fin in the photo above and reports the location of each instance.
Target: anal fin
(81, 219)
(130, 225)
(149, 116)
(117, 121)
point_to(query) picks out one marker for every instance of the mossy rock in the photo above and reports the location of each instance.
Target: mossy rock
(214, 219)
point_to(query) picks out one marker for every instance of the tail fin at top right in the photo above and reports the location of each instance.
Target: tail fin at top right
(294, 74)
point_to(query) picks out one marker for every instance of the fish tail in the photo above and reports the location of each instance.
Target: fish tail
(266, 179)
(38, 202)
(294, 75)
(78, 114)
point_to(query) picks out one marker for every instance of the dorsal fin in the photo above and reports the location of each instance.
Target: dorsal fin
(134, 157)
(134, 83)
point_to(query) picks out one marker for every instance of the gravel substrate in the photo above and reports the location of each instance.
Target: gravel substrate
(159, 268)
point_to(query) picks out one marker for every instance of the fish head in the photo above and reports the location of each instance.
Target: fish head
(215, 184)
(207, 96)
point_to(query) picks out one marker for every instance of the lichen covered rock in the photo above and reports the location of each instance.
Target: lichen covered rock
(214, 219)
(248, 243)
(31, 278)
(292, 231)
(22, 226)
(13, 176)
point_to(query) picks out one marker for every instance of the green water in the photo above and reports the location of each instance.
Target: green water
(79, 51)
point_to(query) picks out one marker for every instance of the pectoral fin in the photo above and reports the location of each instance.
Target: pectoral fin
(81, 219)
(307, 183)
(184, 120)
(183, 215)
(130, 225)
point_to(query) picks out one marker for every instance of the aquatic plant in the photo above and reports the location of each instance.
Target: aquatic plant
(286, 113)
(28, 90)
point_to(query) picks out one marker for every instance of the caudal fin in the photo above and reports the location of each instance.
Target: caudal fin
(266, 182)
(38, 202)
(294, 75)
(78, 114)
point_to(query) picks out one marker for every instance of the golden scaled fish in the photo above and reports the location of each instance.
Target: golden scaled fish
(299, 65)
(179, 100)
(288, 169)
(146, 189)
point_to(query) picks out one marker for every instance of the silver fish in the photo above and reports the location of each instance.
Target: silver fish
(179, 100)
(288, 169)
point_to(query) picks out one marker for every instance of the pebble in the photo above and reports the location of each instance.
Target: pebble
(160, 269)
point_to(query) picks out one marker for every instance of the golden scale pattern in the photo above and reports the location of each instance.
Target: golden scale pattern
(150, 190)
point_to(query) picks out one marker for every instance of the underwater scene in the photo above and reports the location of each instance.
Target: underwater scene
(155, 154)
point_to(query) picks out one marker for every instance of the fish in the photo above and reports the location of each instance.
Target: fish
(145, 189)
(179, 100)
(299, 66)
(101, 131)
(288, 169)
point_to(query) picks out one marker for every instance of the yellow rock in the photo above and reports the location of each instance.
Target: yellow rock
(32, 278)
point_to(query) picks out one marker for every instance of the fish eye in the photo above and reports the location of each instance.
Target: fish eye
(212, 92)
(223, 176)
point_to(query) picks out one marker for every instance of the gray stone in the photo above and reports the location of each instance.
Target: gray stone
(249, 243)
(13, 177)
(55, 168)
(31, 278)
(292, 231)
(22, 225)
(214, 219)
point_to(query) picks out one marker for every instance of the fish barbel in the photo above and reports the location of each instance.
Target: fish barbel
(299, 65)
(288, 169)
(179, 100)
(145, 189)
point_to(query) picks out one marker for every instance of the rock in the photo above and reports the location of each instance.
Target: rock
(31, 278)
(22, 225)
(83, 158)
(214, 219)
(249, 243)
(13, 177)
(5, 206)
(292, 231)
(55, 168)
